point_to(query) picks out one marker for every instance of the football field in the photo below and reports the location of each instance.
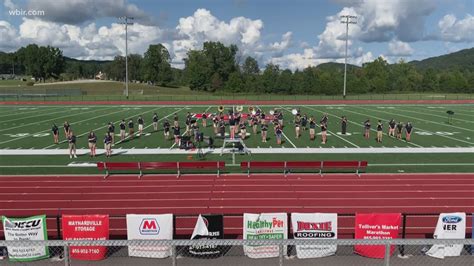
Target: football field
(437, 144)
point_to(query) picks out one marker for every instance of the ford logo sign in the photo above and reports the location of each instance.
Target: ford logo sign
(451, 219)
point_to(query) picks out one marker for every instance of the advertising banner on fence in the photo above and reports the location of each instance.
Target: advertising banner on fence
(449, 226)
(376, 226)
(208, 227)
(314, 226)
(31, 228)
(264, 226)
(86, 227)
(149, 226)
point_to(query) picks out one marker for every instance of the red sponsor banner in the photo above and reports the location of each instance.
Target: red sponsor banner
(86, 227)
(376, 226)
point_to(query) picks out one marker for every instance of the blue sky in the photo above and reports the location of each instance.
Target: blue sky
(293, 34)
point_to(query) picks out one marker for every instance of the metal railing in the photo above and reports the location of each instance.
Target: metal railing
(238, 251)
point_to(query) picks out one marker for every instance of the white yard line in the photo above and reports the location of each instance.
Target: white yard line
(430, 114)
(52, 119)
(411, 143)
(16, 112)
(406, 150)
(434, 133)
(43, 114)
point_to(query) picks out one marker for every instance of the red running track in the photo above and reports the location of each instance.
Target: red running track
(235, 194)
(240, 102)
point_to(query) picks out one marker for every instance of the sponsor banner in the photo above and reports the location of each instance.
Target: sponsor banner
(264, 226)
(86, 227)
(449, 226)
(149, 226)
(314, 226)
(376, 226)
(208, 227)
(30, 228)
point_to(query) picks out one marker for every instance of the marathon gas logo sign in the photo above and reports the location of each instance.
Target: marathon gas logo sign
(314, 230)
(149, 226)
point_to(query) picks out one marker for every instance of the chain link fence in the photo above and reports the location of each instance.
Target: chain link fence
(244, 252)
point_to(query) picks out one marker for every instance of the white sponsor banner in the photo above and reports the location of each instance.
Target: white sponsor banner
(31, 228)
(449, 226)
(264, 226)
(152, 226)
(314, 226)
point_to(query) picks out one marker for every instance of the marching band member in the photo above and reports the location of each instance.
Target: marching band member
(278, 133)
(243, 130)
(111, 129)
(140, 125)
(379, 131)
(264, 129)
(324, 119)
(232, 123)
(304, 122)
(204, 119)
(237, 122)
(67, 128)
(155, 122)
(367, 128)
(408, 130)
(297, 126)
(222, 128)
(215, 124)
(122, 129)
(324, 128)
(254, 123)
(280, 118)
(71, 139)
(312, 128)
(92, 140)
(195, 128)
(130, 129)
(55, 131)
(188, 123)
(391, 127)
(108, 144)
(399, 130)
(166, 129)
(343, 125)
(176, 133)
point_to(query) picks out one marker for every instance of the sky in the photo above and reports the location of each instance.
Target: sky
(293, 34)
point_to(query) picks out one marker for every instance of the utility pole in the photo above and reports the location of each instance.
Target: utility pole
(347, 19)
(125, 21)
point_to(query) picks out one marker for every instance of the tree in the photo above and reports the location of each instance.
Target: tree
(41, 62)
(235, 82)
(156, 64)
(250, 66)
(270, 78)
(197, 71)
(377, 74)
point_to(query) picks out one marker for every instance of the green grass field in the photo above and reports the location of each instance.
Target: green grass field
(436, 146)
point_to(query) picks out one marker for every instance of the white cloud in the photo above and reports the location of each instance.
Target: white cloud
(8, 41)
(9, 4)
(202, 26)
(457, 30)
(399, 48)
(279, 47)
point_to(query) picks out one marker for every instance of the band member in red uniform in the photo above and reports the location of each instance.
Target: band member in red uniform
(367, 128)
(55, 131)
(92, 140)
(379, 131)
(324, 129)
(408, 131)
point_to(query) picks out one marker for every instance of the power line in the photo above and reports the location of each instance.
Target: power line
(125, 21)
(347, 19)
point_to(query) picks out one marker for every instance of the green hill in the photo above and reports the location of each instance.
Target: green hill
(461, 60)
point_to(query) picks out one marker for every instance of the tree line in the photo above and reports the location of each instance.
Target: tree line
(217, 68)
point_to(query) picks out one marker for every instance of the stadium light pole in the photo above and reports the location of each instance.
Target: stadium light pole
(347, 19)
(125, 21)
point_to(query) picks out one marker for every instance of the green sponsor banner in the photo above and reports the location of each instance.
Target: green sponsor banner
(27, 229)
